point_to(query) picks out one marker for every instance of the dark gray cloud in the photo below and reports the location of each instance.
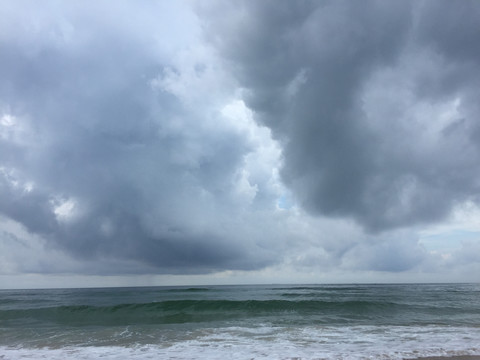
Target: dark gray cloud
(373, 101)
(125, 148)
(105, 157)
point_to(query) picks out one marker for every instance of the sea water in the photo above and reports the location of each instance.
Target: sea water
(242, 322)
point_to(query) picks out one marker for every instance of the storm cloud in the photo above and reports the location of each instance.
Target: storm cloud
(106, 155)
(374, 102)
(197, 137)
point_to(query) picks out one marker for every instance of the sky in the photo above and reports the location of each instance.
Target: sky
(213, 142)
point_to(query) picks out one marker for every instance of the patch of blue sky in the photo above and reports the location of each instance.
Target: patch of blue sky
(449, 240)
(285, 202)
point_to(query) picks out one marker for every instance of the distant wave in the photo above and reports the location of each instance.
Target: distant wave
(187, 290)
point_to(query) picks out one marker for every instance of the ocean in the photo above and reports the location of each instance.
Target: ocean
(242, 322)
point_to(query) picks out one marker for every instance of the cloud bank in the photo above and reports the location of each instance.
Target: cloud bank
(186, 138)
(117, 143)
(374, 103)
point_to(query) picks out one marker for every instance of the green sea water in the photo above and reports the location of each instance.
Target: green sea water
(245, 322)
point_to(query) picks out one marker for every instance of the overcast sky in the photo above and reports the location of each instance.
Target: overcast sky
(183, 142)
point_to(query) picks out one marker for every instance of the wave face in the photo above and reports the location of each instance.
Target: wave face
(187, 311)
(276, 311)
(162, 318)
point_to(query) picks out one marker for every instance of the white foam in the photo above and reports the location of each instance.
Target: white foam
(308, 343)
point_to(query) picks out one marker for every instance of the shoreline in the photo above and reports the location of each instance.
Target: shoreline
(449, 357)
(121, 352)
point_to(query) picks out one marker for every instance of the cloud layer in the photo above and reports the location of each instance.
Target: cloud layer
(374, 103)
(117, 141)
(183, 137)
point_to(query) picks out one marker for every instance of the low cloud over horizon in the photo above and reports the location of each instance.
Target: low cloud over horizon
(275, 140)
